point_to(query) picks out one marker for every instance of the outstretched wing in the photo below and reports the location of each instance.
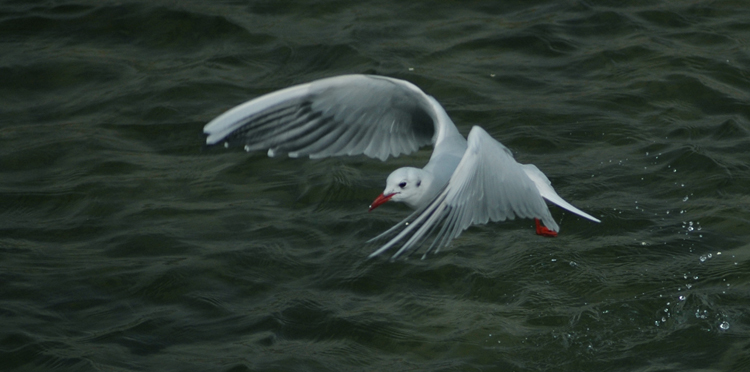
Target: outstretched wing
(488, 185)
(344, 115)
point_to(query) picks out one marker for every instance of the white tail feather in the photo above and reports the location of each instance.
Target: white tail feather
(545, 188)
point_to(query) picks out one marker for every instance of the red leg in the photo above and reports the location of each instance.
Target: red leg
(543, 231)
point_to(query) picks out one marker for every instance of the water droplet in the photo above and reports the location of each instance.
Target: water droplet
(573, 264)
(554, 260)
(724, 325)
(703, 258)
(685, 199)
(681, 298)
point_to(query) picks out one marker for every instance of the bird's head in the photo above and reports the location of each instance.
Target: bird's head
(407, 185)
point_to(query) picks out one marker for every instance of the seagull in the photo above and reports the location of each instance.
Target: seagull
(467, 181)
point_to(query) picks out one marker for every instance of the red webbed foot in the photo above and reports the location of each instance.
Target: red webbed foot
(543, 231)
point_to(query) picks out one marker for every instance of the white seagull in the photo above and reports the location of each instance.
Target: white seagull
(465, 182)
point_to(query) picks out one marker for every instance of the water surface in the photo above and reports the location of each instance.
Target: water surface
(127, 245)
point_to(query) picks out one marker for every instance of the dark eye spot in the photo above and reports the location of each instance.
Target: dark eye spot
(402, 185)
(419, 183)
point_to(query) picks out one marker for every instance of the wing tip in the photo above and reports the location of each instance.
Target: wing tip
(212, 139)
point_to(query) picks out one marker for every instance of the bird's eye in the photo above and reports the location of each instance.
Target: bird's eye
(419, 183)
(402, 185)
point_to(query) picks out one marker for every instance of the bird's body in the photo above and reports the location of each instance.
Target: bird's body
(466, 181)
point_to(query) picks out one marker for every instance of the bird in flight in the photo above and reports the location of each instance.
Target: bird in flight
(467, 181)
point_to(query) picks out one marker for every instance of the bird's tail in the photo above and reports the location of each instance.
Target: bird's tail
(545, 188)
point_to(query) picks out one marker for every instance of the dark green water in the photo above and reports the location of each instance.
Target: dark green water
(125, 245)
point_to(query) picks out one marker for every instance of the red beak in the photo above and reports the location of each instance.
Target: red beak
(380, 200)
